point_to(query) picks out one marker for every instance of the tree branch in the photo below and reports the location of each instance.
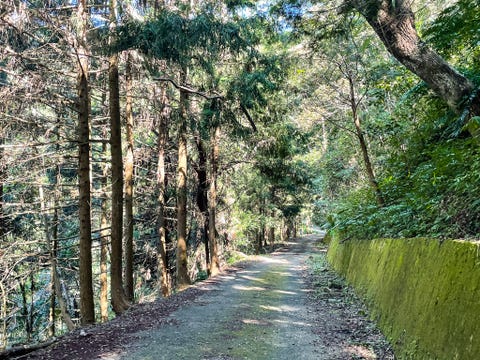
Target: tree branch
(190, 90)
(249, 118)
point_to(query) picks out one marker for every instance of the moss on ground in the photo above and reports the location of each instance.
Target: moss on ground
(247, 330)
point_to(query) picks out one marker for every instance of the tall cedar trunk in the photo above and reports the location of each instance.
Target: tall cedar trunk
(164, 276)
(129, 286)
(183, 279)
(53, 246)
(271, 229)
(202, 195)
(363, 145)
(118, 298)
(87, 307)
(394, 23)
(258, 242)
(265, 236)
(212, 201)
(104, 234)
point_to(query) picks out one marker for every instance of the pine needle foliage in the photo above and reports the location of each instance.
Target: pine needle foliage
(182, 40)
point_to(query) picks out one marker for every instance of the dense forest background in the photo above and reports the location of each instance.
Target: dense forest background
(143, 144)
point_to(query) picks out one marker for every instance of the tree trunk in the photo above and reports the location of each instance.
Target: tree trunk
(363, 145)
(104, 235)
(394, 23)
(87, 307)
(118, 298)
(129, 286)
(202, 196)
(271, 231)
(183, 279)
(258, 242)
(212, 201)
(164, 274)
(53, 246)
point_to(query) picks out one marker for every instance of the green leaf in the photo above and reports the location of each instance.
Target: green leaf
(473, 127)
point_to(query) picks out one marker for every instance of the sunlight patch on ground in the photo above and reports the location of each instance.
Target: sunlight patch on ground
(285, 292)
(361, 351)
(282, 308)
(252, 278)
(255, 322)
(248, 288)
(113, 355)
(226, 277)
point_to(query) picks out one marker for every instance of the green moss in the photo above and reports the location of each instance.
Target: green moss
(424, 293)
(247, 331)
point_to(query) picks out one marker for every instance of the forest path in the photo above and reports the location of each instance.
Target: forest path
(259, 312)
(263, 311)
(285, 305)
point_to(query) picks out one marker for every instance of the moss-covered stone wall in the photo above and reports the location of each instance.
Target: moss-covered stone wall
(424, 294)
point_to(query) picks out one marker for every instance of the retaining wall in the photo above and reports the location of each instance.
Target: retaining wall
(424, 294)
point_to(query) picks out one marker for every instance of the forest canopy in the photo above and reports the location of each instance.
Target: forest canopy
(144, 144)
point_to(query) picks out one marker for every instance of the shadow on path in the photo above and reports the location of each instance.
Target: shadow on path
(276, 306)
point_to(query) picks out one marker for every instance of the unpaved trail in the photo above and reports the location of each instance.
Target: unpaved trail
(285, 305)
(259, 312)
(264, 311)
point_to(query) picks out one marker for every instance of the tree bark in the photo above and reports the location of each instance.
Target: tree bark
(212, 202)
(183, 279)
(164, 274)
(258, 242)
(202, 196)
(87, 307)
(394, 23)
(271, 229)
(118, 298)
(129, 286)
(104, 236)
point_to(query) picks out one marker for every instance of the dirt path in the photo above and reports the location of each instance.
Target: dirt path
(286, 305)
